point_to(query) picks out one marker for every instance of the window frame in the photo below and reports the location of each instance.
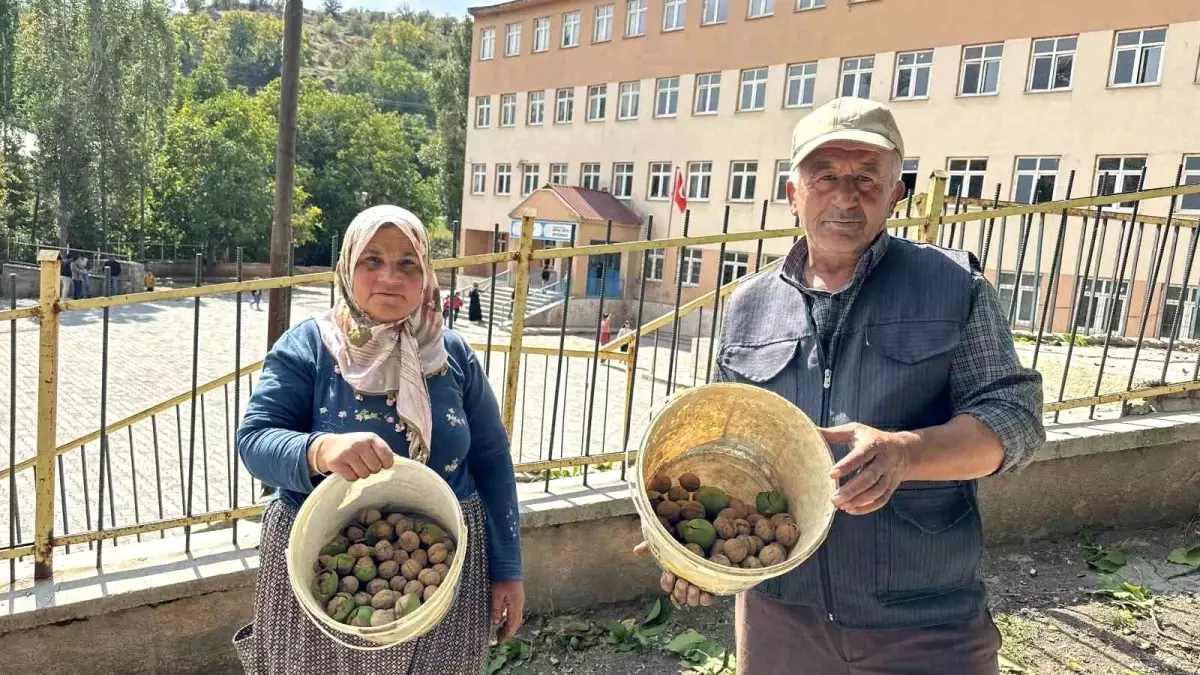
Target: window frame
(1031, 290)
(666, 176)
(812, 5)
(574, 22)
(1053, 55)
(966, 175)
(526, 174)
(857, 73)
(692, 259)
(703, 180)
(1138, 62)
(642, 13)
(717, 19)
(531, 105)
(758, 89)
(585, 175)
(915, 171)
(597, 93)
(570, 104)
(914, 75)
(1189, 326)
(680, 15)
(768, 9)
(748, 175)
(487, 38)
(1191, 176)
(734, 260)
(508, 110)
(596, 23)
(483, 109)
(983, 60)
(658, 93)
(478, 172)
(503, 171)
(512, 40)
(559, 170)
(631, 90)
(617, 177)
(1121, 176)
(783, 173)
(708, 88)
(541, 37)
(656, 264)
(802, 79)
(1035, 174)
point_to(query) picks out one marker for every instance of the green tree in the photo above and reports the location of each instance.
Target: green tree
(451, 78)
(333, 7)
(388, 71)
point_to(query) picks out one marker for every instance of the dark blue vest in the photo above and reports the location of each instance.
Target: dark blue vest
(914, 562)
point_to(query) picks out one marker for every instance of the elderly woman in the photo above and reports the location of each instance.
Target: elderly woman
(342, 393)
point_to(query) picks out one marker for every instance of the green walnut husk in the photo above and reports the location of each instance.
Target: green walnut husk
(700, 532)
(325, 586)
(365, 570)
(714, 499)
(343, 564)
(379, 531)
(361, 616)
(340, 606)
(337, 545)
(770, 503)
(432, 534)
(408, 604)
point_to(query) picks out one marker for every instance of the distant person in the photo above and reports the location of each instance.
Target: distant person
(626, 329)
(474, 308)
(546, 271)
(114, 275)
(606, 329)
(446, 308)
(64, 277)
(256, 297)
(149, 281)
(458, 303)
(79, 277)
(512, 302)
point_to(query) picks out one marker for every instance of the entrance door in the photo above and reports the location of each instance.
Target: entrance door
(606, 268)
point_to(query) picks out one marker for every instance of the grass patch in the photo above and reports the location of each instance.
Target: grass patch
(1019, 635)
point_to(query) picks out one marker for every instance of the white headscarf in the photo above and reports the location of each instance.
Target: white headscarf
(391, 359)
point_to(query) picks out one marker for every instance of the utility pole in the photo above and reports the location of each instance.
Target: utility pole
(279, 305)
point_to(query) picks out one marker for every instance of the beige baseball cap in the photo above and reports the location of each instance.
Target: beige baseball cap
(846, 119)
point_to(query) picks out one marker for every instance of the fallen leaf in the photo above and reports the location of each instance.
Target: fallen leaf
(1186, 556)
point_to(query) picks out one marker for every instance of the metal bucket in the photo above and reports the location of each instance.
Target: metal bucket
(744, 440)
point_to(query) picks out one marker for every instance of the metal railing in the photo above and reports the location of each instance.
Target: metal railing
(153, 463)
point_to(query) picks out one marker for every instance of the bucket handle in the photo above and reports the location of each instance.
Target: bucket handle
(317, 622)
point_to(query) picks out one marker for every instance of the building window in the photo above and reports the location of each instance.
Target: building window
(660, 181)
(503, 179)
(589, 176)
(483, 112)
(622, 185)
(802, 5)
(536, 103)
(487, 44)
(908, 174)
(783, 172)
(508, 110)
(715, 11)
(1191, 176)
(667, 98)
(673, 14)
(478, 179)
(1137, 57)
(801, 84)
(912, 74)
(708, 93)
(767, 259)
(754, 89)
(541, 34)
(1095, 306)
(564, 106)
(742, 178)
(1053, 64)
(570, 34)
(629, 97)
(856, 76)
(1119, 174)
(689, 268)
(980, 70)
(735, 266)
(1026, 297)
(635, 18)
(602, 28)
(1035, 179)
(597, 102)
(512, 39)
(761, 8)
(699, 180)
(558, 174)
(966, 177)
(1189, 325)
(529, 178)
(656, 260)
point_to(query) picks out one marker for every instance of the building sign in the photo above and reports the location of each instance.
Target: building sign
(546, 230)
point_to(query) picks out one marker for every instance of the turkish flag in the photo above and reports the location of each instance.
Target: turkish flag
(677, 193)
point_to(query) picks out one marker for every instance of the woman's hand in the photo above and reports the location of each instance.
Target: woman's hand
(351, 456)
(508, 605)
(682, 591)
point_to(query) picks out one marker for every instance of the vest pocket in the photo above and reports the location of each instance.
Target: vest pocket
(930, 543)
(758, 363)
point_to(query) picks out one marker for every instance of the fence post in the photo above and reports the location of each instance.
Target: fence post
(47, 424)
(931, 210)
(521, 288)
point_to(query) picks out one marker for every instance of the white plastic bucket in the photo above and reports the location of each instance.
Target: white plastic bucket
(408, 486)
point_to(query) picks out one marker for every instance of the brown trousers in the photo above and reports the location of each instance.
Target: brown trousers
(776, 638)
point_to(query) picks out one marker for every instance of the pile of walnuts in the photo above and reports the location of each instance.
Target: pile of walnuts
(713, 525)
(381, 567)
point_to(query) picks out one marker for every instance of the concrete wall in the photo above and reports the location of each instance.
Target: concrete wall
(184, 271)
(178, 613)
(28, 280)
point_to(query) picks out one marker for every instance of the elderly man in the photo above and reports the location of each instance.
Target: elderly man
(901, 353)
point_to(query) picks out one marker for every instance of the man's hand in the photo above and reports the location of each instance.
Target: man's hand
(681, 591)
(351, 456)
(878, 460)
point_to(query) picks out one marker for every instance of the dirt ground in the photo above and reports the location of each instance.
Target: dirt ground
(1044, 596)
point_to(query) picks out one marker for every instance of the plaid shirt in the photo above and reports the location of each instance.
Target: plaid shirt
(987, 380)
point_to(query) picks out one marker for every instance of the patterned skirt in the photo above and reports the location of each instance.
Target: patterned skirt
(282, 640)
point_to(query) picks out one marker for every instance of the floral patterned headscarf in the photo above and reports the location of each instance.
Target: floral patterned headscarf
(388, 359)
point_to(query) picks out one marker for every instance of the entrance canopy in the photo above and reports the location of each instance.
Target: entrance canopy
(566, 214)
